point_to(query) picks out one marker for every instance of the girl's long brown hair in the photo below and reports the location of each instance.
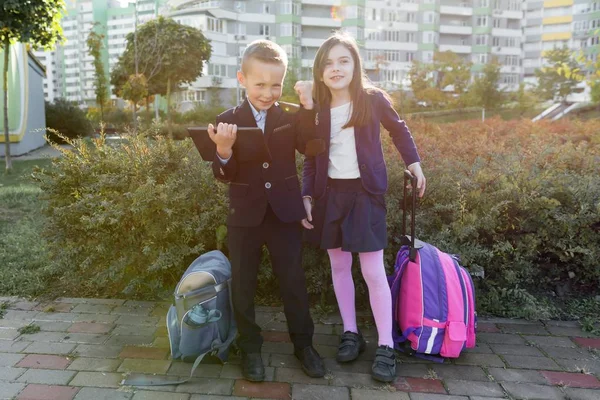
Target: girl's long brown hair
(360, 86)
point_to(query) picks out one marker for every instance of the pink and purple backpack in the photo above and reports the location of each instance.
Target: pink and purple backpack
(433, 299)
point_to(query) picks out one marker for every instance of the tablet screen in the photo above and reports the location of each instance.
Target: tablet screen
(249, 145)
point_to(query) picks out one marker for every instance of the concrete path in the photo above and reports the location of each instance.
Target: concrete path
(85, 347)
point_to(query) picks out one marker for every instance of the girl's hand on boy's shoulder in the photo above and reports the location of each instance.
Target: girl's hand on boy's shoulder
(224, 138)
(415, 169)
(304, 91)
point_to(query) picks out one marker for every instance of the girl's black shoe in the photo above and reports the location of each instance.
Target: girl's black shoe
(351, 345)
(384, 365)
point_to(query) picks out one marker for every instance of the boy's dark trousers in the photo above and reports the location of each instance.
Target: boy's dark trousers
(283, 240)
(265, 208)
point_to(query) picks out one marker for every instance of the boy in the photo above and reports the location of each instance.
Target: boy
(265, 205)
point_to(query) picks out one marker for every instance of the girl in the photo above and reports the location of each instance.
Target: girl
(348, 182)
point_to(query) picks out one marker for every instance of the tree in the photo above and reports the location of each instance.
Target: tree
(525, 99)
(452, 70)
(169, 54)
(589, 72)
(559, 78)
(484, 90)
(443, 82)
(291, 77)
(36, 22)
(423, 85)
(135, 90)
(95, 45)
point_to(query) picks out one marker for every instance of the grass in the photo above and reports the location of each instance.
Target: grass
(23, 255)
(29, 329)
(460, 115)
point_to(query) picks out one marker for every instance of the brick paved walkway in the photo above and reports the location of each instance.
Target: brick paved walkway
(85, 347)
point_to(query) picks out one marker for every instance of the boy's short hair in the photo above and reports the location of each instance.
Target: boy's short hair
(264, 51)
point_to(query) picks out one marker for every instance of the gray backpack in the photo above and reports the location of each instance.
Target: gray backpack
(201, 320)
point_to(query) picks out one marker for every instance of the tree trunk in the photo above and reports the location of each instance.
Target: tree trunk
(134, 117)
(5, 87)
(169, 108)
(148, 112)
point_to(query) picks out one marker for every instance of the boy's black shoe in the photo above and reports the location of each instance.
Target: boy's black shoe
(384, 365)
(351, 345)
(252, 367)
(311, 361)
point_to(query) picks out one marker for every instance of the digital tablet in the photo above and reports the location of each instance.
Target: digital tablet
(249, 144)
(289, 107)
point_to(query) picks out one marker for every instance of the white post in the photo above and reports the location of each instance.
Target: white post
(156, 116)
(483, 115)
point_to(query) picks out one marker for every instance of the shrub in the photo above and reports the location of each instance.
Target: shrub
(200, 115)
(520, 200)
(129, 218)
(517, 199)
(66, 118)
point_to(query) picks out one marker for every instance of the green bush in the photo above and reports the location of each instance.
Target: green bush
(200, 115)
(129, 218)
(66, 118)
(519, 200)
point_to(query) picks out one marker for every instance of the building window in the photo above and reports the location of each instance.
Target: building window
(482, 20)
(481, 40)
(285, 7)
(266, 8)
(496, 41)
(196, 96)
(285, 30)
(264, 30)
(410, 56)
(373, 14)
(497, 22)
(483, 58)
(217, 69)
(214, 25)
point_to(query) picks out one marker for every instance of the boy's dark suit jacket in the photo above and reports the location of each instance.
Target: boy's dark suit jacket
(373, 173)
(253, 185)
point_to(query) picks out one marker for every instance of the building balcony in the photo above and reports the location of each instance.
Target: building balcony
(322, 22)
(456, 29)
(509, 14)
(381, 45)
(176, 4)
(507, 32)
(312, 42)
(456, 10)
(511, 69)
(506, 51)
(399, 26)
(455, 48)
(322, 2)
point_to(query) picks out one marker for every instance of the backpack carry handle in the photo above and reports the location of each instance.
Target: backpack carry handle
(408, 176)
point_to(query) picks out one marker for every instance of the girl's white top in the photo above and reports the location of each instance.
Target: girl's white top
(343, 162)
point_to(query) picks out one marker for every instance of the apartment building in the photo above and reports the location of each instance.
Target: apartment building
(391, 33)
(69, 69)
(559, 23)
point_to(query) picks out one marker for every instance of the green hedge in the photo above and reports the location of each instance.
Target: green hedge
(519, 200)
